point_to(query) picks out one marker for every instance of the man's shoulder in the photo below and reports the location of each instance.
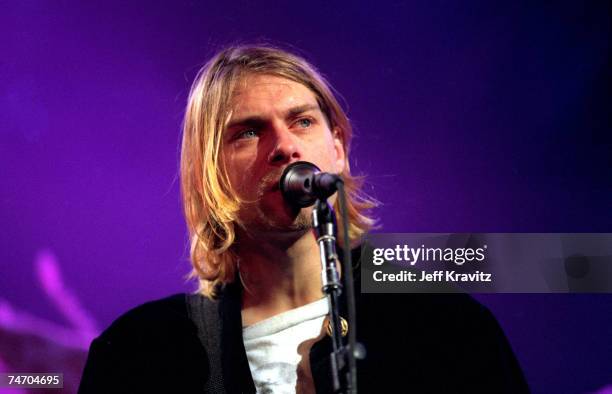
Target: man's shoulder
(156, 339)
(157, 317)
(166, 316)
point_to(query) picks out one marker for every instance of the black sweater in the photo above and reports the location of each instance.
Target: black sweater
(416, 343)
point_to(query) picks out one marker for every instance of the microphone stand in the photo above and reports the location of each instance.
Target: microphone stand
(324, 224)
(302, 184)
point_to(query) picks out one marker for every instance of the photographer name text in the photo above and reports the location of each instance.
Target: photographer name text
(434, 276)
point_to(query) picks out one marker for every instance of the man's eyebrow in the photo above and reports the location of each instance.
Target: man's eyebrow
(300, 109)
(247, 121)
(258, 120)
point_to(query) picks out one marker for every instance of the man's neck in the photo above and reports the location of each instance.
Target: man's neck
(278, 276)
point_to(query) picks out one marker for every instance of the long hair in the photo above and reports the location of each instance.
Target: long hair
(210, 205)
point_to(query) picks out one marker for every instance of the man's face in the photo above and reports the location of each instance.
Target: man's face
(275, 122)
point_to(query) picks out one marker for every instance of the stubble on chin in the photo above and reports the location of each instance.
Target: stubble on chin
(291, 220)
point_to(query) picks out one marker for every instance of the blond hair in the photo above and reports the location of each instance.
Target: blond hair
(210, 205)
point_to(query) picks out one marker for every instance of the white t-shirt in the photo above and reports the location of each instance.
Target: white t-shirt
(272, 346)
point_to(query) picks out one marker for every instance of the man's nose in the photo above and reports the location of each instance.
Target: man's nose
(286, 147)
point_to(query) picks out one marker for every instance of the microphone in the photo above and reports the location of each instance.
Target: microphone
(302, 183)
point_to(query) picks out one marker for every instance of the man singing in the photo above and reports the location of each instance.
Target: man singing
(258, 322)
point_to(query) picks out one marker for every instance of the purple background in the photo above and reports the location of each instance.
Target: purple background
(479, 117)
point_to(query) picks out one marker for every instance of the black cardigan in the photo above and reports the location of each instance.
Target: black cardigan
(416, 343)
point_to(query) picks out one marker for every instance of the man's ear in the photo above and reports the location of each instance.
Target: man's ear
(338, 137)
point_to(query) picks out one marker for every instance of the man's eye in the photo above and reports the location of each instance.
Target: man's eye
(250, 133)
(304, 122)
